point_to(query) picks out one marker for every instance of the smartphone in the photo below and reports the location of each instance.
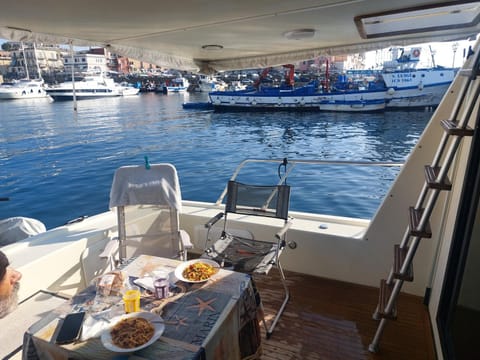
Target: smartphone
(71, 328)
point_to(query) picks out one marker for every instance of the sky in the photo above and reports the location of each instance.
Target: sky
(442, 51)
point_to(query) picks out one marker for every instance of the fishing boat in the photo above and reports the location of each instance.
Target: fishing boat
(90, 87)
(311, 96)
(409, 87)
(176, 85)
(339, 306)
(127, 89)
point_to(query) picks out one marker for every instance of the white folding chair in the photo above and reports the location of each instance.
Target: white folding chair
(148, 202)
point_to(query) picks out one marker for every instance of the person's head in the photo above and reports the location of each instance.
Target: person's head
(9, 285)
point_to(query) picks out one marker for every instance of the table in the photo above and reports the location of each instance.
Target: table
(212, 320)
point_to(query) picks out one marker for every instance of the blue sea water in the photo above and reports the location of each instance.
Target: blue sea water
(56, 165)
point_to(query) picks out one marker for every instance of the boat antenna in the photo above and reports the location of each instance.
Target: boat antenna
(73, 77)
(432, 54)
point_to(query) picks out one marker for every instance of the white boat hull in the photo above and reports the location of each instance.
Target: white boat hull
(24, 89)
(92, 87)
(417, 88)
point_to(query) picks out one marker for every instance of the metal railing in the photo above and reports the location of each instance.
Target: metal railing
(291, 163)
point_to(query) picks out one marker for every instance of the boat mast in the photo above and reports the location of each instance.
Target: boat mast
(36, 61)
(72, 56)
(25, 61)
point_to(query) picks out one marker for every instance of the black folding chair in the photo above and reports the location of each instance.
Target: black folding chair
(250, 255)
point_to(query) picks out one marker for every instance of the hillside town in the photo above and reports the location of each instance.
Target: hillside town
(54, 64)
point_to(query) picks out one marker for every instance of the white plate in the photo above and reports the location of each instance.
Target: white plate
(106, 337)
(180, 268)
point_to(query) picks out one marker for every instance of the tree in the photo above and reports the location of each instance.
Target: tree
(10, 46)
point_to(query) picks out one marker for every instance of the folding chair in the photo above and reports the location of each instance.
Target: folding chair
(250, 255)
(151, 224)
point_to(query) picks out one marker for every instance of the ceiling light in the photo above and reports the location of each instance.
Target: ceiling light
(419, 19)
(299, 34)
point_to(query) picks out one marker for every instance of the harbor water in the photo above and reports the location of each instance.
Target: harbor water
(57, 165)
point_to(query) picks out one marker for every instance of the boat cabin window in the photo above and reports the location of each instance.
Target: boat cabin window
(458, 317)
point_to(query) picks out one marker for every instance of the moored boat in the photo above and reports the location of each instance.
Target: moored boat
(90, 87)
(176, 85)
(127, 89)
(23, 89)
(407, 86)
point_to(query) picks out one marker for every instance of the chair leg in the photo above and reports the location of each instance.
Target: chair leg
(285, 300)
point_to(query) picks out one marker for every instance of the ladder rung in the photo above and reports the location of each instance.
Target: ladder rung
(431, 174)
(384, 296)
(467, 72)
(415, 216)
(398, 260)
(451, 128)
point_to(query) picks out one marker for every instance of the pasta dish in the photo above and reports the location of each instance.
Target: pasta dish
(132, 332)
(198, 271)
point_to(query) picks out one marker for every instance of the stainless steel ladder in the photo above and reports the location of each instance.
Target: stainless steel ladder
(436, 181)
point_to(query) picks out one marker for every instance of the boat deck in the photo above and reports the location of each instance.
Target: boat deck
(327, 319)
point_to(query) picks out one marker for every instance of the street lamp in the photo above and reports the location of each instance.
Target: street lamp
(454, 48)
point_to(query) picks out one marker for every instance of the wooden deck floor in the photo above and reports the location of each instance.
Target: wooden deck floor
(327, 319)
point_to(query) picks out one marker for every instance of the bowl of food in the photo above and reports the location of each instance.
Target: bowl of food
(196, 271)
(132, 332)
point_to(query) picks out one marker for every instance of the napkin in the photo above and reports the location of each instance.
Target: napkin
(145, 282)
(94, 326)
(96, 323)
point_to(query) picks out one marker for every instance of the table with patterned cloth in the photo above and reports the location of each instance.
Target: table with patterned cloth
(216, 319)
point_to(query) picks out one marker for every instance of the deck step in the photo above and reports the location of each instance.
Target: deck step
(468, 72)
(415, 216)
(398, 260)
(431, 175)
(384, 296)
(451, 128)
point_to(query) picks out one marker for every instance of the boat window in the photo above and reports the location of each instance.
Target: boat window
(458, 317)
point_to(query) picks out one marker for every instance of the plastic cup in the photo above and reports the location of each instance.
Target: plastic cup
(161, 284)
(161, 288)
(131, 298)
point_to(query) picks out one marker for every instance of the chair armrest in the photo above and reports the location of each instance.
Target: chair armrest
(283, 230)
(185, 239)
(110, 249)
(213, 220)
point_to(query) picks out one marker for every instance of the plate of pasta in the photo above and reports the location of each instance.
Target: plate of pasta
(197, 270)
(132, 332)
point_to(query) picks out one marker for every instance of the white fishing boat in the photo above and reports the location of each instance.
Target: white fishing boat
(126, 89)
(90, 87)
(176, 85)
(409, 87)
(23, 89)
(334, 265)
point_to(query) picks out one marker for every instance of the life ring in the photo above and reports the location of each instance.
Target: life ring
(416, 53)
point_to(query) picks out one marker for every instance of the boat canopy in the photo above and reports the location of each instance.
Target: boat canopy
(216, 35)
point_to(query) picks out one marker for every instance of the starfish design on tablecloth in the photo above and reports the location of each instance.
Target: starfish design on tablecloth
(180, 322)
(202, 305)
